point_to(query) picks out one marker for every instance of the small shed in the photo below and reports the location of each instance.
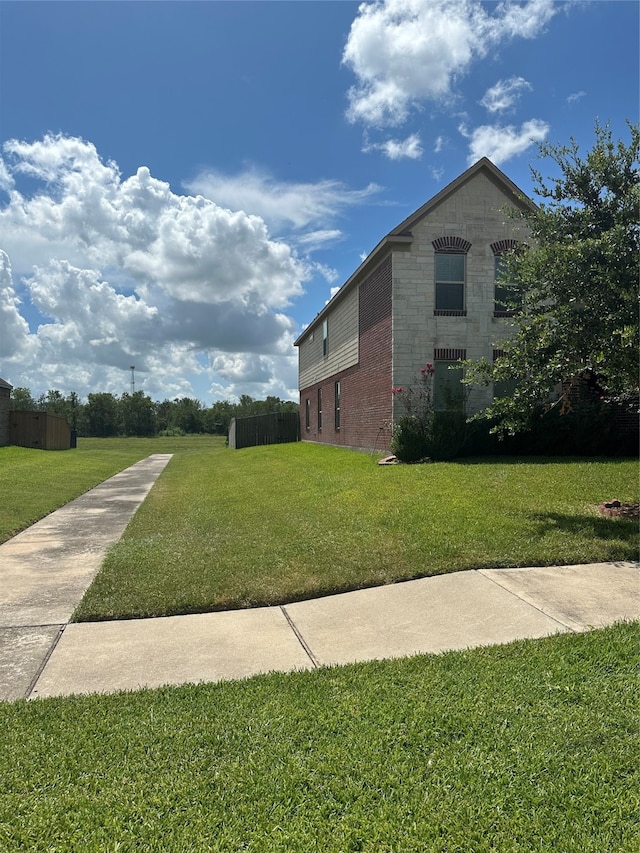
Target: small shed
(5, 409)
(41, 430)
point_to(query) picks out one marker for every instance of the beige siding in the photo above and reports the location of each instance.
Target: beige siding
(342, 350)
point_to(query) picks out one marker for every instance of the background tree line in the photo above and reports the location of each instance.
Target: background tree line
(104, 414)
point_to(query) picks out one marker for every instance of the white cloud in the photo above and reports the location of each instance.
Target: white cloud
(405, 52)
(328, 273)
(118, 271)
(504, 94)
(261, 378)
(398, 149)
(242, 368)
(14, 329)
(90, 317)
(525, 20)
(188, 247)
(500, 143)
(6, 181)
(314, 240)
(279, 203)
(60, 160)
(439, 144)
(575, 96)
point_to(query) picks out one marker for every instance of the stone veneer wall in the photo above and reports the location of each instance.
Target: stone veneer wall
(475, 212)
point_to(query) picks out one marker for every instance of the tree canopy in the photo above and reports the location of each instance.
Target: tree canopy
(574, 288)
(105, 414)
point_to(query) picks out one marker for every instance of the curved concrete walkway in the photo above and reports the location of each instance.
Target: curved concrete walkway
(45, 571)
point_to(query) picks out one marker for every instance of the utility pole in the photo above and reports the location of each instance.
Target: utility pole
(133, 379)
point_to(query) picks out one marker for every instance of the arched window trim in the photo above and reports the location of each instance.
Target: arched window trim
(501, 247)
(451, 245)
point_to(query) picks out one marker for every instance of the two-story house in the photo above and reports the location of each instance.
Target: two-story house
(427, 292)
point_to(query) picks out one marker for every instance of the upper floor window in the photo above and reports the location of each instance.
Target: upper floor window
(325, 337)
(450, 270)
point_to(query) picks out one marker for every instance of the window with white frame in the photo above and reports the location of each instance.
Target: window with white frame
(337, 393)
(450, 275)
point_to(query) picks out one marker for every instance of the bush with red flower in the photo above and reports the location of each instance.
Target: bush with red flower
(421, 433)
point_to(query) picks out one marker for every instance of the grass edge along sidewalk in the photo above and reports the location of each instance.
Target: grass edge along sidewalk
(226, 529)
(528, 746)
(34, 483)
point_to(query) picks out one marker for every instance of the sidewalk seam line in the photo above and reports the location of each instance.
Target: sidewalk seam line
(45, 661)
(315, 662)
(524, 601)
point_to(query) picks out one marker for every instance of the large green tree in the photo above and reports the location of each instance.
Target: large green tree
(137, 414)
(22, 401)
(101, 415)
(574, 288)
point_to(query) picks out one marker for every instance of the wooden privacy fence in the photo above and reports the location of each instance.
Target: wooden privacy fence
(42, 430)
(264, 429)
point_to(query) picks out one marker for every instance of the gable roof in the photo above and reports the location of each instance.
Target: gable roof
(517, 197)
(5, 385)
(401, 234)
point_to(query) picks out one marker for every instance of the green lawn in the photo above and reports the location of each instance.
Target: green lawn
(531, 746)
(35, 482)
(225, 529)
(265, 525)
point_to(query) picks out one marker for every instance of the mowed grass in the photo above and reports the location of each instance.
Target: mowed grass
(528, 746)
(227, 529)
(35, 482)
(531, 746)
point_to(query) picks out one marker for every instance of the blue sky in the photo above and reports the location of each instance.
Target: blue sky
(184, 184)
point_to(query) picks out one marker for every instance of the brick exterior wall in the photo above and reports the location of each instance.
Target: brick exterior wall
(365, 388)
(399, 327)
(398, 324)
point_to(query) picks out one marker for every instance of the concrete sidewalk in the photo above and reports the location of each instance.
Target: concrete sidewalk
(453, 611)
(50, 565)
(46, 569)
